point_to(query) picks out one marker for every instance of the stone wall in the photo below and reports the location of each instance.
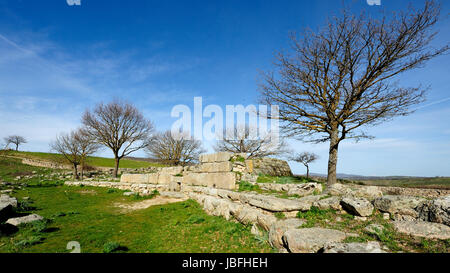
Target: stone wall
(220, 170)
(60, 166)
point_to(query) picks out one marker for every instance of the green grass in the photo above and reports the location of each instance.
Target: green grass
(282, 179)
(88, 215)
(10, 168)
(91, 161)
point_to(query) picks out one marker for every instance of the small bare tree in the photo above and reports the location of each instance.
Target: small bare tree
(339, 78)
(119, 126)
(16, 140)
(174, 150)
(240, 140)
(87, 146)
(75, 147)
(305, 158)
(68, 146)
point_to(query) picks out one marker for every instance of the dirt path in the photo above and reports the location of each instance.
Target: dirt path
(158, 200)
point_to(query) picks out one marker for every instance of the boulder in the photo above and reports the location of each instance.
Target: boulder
(247, 215)
(24, 220)
(275, 204)
(8, 200)
(423, 229)
(357, 206)
(374, 229)
(311, 240)
(437, 210)
(369, 192)
(369, 247)
(278, 229)
(265, 221)
(339, 189)
(399, 204)
(333, 202)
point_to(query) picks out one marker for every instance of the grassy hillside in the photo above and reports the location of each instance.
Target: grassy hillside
(414, 182)
(92, 160)
(91, 217)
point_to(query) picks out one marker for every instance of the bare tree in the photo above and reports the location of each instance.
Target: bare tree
(340, 78)
(240, 140)
(68, 146)
(16, 140)
(119, 126)
(174, 150)
(75, 147)
(87, 146)
(305, 158)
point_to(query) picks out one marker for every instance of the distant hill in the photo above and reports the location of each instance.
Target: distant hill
(363, 177)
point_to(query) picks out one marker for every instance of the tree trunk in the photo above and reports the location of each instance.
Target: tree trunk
(75, 172)
(116, 167)
(82, 170)
(333, 158)
(307, 172)
(17, 147)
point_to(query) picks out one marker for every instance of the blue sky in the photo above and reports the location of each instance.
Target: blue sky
(56, 60)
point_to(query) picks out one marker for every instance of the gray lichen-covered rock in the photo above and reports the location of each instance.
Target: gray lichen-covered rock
(423, 229)
(275, 204)
(399, 204)
(369, 192)
(369, 247)
(357, 206)
(311, 240)
(333, 202)
(437, 210)
(24, 220)
(6, 199)
(278, 229)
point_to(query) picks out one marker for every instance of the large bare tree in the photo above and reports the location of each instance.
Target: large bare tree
(75, 147)
(240, 140)
(305, 158)
(119, 126)
(16, 140)
(342, 77)
(174, 150)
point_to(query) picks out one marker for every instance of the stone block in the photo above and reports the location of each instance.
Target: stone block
(217, 157)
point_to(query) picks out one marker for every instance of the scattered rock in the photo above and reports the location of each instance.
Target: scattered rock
(386, 216)
(369, 247)
(24, 220)
(357, 206)
(360, 218)
(8, 200)
(129, 193)
(374, 229)
(278, 229)
(399, 204)
(437, 210)
(333, 202)
(423, 229)
(275, 204)
(311, 240)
